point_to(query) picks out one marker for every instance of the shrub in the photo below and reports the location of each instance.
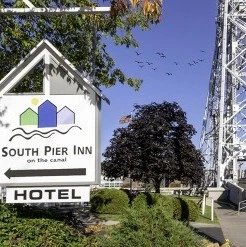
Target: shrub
(143, 200)
(170, 205)
(177, 209)
(194, 210)
(149, 227)
(126, 191)
(23, 230)
(109, 201)
(190, 210)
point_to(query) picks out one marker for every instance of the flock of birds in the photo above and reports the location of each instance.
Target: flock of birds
(161, 55)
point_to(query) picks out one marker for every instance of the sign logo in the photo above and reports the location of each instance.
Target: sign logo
(47, 116)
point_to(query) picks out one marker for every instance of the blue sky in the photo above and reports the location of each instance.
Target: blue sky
(187, 28)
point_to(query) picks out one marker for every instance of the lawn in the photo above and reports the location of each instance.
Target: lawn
(206, 218)
(114, 217)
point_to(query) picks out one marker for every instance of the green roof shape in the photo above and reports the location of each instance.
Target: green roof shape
(29, 117)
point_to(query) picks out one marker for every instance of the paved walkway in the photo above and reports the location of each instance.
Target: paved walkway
(231, 226)
(212, 232)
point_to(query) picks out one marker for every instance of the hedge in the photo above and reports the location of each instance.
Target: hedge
(28, 226)
(109, 201)
(177, 208)
(149, 227)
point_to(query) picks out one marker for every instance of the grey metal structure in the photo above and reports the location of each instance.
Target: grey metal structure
(223, 138)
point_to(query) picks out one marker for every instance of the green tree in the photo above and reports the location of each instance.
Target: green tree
(80, 38)
(155, 145)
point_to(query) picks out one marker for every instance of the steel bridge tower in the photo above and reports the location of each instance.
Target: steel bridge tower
(223, 138)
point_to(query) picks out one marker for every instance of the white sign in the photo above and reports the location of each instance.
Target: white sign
(48, 194)
(48, 140)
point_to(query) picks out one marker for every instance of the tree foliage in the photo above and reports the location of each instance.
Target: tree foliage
(80, 38)
(156, 144)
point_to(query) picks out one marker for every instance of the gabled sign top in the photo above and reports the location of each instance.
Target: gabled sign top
(46, 51)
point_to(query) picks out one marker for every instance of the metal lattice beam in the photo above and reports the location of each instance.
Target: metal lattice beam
(223, 139)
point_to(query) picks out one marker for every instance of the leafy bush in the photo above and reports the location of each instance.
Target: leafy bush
(109, 201)
(18, 228)
(127, 192)
(170, 205)
(143, 200)
(194, 210)
(149, 227)
(190, 210)
(147, 199)
(177, 209)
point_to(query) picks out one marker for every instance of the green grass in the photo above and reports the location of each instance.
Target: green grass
(114, 217)
(206, 218)
(191, 197)
(196, 199)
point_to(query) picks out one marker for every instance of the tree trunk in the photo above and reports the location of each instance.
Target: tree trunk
(157, 186)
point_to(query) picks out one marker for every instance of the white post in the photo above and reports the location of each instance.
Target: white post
(212, 209)
(203, 204)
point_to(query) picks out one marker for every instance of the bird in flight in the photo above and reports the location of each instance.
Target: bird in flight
(154, 68)
(201, 60)
(203, 51)
(169, 73)
(161, 54)
(149, 63)
(176, 63)
(138, 61)
(191, 64)
(138, 53)
(195, 62)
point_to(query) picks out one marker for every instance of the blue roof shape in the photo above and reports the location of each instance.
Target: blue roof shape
(47, 115)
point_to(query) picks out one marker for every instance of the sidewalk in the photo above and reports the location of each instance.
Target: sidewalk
(232, 225)
(212, 232)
